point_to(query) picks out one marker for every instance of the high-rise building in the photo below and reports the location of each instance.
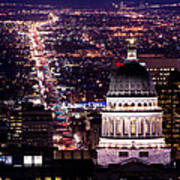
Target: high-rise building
(176, 136)
(161, 68)
(166, 78)
(15, 127)
(37, 127)
(169, 100)
(132, 122)
(4, 126)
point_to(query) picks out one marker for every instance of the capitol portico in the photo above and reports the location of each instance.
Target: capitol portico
(132, 125)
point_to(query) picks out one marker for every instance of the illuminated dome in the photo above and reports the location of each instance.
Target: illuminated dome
(132, 120)
(131, 80)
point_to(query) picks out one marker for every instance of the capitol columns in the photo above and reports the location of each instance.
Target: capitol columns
(121, 126)
(129, 126)
(137, 127)
(103, 126)
(114, 121)
(144, 127)
(109, 126)
(160, 126)
(157, 126)
(150, 126)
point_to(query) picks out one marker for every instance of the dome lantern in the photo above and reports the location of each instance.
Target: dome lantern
(132, 52)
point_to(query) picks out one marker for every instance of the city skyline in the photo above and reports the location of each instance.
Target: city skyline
(89, 94)
(91, 4)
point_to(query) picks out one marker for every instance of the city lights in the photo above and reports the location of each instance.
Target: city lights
(89, 90)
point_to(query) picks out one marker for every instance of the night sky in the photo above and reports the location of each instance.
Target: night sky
(88, 3)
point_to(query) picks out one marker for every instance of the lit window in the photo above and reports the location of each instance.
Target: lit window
(28, 160)
(38, 160)
(58, 178)
(133, 130)
(146, 127)
(8, 160)
(154, 126)
(38, 178)
(47, 178)
(118, 127)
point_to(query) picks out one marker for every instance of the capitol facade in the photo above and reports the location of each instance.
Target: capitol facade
(131, 129)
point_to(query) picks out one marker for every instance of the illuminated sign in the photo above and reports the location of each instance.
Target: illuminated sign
(118, 64)
(94, 104)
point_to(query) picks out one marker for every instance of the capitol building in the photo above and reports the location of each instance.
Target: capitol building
(131, 129)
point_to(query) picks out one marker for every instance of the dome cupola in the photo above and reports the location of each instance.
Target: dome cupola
(131, 80)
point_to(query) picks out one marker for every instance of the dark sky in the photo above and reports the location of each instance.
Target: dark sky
(87, 3)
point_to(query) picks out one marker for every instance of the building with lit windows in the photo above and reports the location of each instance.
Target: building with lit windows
(161, 69)
(169, 96)
(132, 121)
(166, 78)
(176, 136)
(15, 127)
(4, 127)
(37, 127)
